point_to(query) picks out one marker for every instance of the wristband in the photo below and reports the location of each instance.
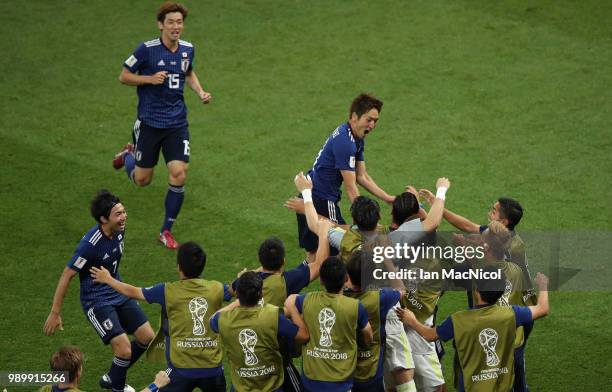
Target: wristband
(153, 387)
(441, 193)
(307, 195)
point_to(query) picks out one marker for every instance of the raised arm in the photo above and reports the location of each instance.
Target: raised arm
(456, 220)
(194, 83)
(364, 179)
(408, 318)
(542, 308)
(436, 211)
(322, 250)
(54, 320)
(102, 275)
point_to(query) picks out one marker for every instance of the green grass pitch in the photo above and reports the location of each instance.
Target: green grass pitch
(504, 98)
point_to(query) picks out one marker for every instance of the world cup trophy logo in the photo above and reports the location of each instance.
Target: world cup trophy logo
(198, 307)
(327, 318)
(488, 340)
(248, 339)
(504, 300)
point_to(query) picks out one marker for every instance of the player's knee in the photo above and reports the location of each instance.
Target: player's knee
(178, 177)
(147, 335)
(142, 181)
(123, 349)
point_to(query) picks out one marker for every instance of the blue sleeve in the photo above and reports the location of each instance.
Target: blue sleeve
(344, 153)
(214, 322)
(155, 294)
(136, 61)
(483, 228)
(286, 328)
(446, 330)
(82, 255)
(362, 317)
(234, 283)
(359, 156)
(227, 296)
(388, 299)
(297, 278)
(522, 314)
(190, 68)
(299, 301)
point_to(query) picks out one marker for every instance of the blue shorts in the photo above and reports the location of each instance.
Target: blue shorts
(113, 320)
(148, 141)
(329, 209)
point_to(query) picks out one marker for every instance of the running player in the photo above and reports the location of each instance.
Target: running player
(111, 314)
(160, 68)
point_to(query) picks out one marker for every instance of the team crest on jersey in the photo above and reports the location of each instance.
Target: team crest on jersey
(184, 64)
(107, 324)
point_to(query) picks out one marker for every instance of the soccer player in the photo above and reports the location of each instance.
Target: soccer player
(70, 359)
(334, 322)
(193, 351)
(485, 336)
(67, 359)
(160, 68)
(111, 314)
(411, 230)
(249, 332)
(509, 212)
(341, 160)
(368, 375)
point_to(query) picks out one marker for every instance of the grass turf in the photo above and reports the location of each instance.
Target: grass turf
(504, 98)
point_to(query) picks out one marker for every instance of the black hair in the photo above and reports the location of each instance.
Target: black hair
(249, 288)
(405, 205)
(102, 204)
(365, 213)
(333, 274)
(363, 103)
(510, 209)
(272, 254)
(191, 259)
(491, 290)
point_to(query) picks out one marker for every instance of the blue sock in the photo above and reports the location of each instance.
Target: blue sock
(130, 165)
(137, 350)
(118, 373)
(174, 201)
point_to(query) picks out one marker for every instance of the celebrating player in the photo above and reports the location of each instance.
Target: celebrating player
(342, 160)
(485, 336)
(160, 68)
(334, 321)
(192, 350)
(112, 315)
(250, 332)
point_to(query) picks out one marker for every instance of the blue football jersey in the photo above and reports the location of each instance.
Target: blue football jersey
(96, 250)
(163, 105)
(341, 152)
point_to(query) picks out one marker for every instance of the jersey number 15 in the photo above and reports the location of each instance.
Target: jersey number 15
(173, 80)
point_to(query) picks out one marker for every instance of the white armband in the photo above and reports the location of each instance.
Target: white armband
(307, 195)
(441, 193)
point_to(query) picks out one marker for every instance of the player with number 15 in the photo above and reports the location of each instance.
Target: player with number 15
(160, 68)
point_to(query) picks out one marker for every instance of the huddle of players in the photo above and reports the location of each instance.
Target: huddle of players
(347, 333)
